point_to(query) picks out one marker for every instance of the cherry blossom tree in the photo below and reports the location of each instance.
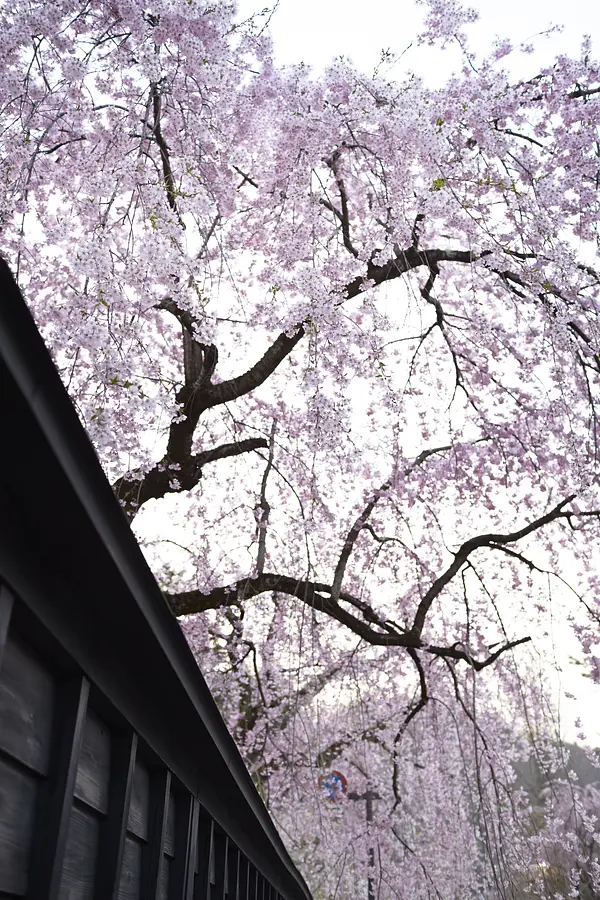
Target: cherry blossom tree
(336, 342)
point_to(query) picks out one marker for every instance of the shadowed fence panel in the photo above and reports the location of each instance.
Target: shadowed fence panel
(118, 778)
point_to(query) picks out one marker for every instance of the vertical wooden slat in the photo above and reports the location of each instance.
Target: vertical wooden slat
(220, 863)
(6, 605)
(186, 836)
(226, 850)
(192, 852)
(243, 877)
(114, 828)
(52, 824)
(205, 856)
(233, 872)
(159, 809)
(252, 883)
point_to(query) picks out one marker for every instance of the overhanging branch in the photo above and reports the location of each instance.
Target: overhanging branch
(370, 626)
(136, 488)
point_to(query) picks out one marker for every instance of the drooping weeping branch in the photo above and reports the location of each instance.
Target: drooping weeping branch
(413, 712)
(351, 537)
(180, 469)
(484, 540)
(366, 623)
(163, 150)
(264, 508)
(168, 477)
(363, 519)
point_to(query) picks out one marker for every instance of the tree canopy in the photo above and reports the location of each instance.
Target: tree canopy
(336, 341)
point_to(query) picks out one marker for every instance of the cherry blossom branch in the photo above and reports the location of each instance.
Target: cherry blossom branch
(361, 521)
(334, 750)
(421, 864)
(583, 92)
(372, 628)
(476, 543)
(463, 655)
(237, 387)
(350, 540)
(199, 393)
(180, 469)
(167, 477)
(164, 151)
(414, 710)
(405, 261)
(264, 509)
(313, 594)
(334, 164)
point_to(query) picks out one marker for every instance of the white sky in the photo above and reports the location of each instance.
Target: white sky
(317, 31)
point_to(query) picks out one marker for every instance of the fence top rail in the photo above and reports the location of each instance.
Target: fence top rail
(108, 597)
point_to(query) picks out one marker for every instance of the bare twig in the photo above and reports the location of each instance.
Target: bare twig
(351, 538)
(483, 540)
(414, 710)
(264, 509)
(165, 158)
(333, 162)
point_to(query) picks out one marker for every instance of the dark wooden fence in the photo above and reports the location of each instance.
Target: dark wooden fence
(118, 778)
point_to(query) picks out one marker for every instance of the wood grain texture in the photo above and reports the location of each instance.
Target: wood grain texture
(26, 706)
(18, 794)
(93, 770)
(131, 870)
(164, 880)
(160, 791)
(79, 863)
(169, 847)
(6, 605)
(139, 808)
(112, 862)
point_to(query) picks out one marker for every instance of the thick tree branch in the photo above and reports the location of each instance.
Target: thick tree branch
(414, 710)
(264, 509)
(234, 388)
(180, 469)
(310, 592)
(314, 595)
(334, 164)
(199, 363)
(405, 261)
(166, 477)
(482, 540)
(350, 540)
(583, 92)
(372, 628)
(164, 151)
(456, 653)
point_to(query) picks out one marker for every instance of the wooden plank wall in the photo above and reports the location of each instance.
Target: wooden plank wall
(86, 812)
